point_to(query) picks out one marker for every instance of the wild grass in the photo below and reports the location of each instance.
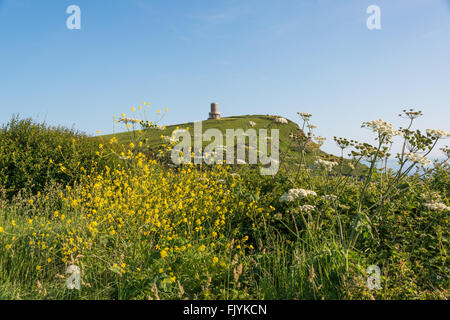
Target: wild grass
(140, 229)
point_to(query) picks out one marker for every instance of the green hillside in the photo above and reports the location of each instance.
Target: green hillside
(289, 148)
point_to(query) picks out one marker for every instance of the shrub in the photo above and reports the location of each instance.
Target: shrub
(32, 155)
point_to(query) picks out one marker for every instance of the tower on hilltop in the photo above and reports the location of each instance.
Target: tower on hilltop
(214, 114)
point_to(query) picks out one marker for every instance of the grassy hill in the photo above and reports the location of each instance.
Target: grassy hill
(289, 148)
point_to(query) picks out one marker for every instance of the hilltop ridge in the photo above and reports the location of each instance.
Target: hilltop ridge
(289, 148)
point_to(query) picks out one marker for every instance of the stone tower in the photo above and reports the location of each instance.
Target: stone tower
(214, 114)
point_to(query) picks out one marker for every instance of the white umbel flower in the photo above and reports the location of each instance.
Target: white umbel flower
(293, 194)
(329, 197)
(437, 206)
(281, 120)
(305, 115)
(383, 128)
(307, 208)
(438, 134)
(418, 158)
(129, 120)
(327, 165)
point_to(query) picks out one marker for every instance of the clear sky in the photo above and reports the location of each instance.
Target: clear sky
(250, 56)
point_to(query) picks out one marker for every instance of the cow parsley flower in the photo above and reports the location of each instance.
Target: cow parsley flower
(437, 206)
(293, 194)
(304, 115)
(281, 120)
(417, 158)
(329, 197)
(383, 129)
(438, 134)
(307, 208)
(327, 165)
(320, 140)
(129, 120)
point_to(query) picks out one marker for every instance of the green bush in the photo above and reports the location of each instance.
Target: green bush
(32, 155)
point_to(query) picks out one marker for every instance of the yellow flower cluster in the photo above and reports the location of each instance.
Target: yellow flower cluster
(137, 215)
(141, 206)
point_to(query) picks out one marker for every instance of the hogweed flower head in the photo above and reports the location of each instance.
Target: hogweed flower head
(320, 140)
(437, 134)
(327, 165)
(384, 129)
(129, 120)
(368, 151)
(304, 115)
(446, 151)
(418, 158)
(293, 194)
(410, 114)
(344, 143)
(281, 120)
(437, 206)
(329, 197)
(306, 208)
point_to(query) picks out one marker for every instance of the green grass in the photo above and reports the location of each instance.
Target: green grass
(236, 122)
(119, 217)
(290, 150)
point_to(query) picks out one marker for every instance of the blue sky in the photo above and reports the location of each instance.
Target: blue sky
(250, 56)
